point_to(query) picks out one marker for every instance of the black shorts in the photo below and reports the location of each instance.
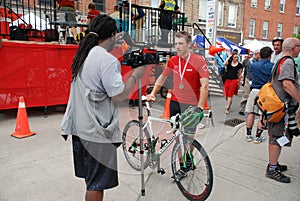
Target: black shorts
(175, 108)
(96, 163)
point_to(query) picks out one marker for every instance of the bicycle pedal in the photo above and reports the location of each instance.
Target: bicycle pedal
(161, 171)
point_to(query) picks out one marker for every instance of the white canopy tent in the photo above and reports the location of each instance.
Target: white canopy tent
(254, 45)
(30, 18)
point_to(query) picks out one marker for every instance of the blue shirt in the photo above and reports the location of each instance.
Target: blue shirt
(261, 73)
(224, 56)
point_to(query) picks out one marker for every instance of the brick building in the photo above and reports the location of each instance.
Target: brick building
(264, 20)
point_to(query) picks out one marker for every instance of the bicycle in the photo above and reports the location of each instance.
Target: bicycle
(198, 182)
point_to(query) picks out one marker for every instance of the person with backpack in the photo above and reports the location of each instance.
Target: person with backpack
(261, 72)
(285, 83)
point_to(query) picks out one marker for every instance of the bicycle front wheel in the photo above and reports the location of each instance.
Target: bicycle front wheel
(132, 147)
(197, 182)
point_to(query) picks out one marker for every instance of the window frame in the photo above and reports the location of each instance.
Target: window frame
(235, 15)
(220, 20)
(267, 4)
(254, 3)
(265, 29)
(252, 27)
(202, 19)
(298, 7)
(279, 30)
(100, 5)
(281, 6)
(296, 30)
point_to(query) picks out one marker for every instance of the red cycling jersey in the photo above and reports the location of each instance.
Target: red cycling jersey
(187, 90)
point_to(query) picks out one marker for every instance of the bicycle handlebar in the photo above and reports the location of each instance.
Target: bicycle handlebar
(175, 119)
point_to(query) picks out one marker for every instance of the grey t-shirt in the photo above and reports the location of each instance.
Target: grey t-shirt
(287, 71)
(101, 72)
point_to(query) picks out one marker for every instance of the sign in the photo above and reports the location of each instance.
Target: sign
(210, 22)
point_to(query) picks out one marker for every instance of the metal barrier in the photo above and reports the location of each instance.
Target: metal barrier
(28, 20)
(147, 29)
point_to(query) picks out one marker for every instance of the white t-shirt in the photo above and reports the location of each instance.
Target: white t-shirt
(101, 72)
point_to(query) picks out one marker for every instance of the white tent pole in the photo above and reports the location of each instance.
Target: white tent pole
(129, 13)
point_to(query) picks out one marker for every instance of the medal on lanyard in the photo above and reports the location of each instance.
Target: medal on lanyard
(181, 74)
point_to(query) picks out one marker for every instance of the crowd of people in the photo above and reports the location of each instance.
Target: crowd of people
(258, 67)
(97, 88)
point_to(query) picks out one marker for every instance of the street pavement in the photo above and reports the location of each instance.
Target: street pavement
(40, 167)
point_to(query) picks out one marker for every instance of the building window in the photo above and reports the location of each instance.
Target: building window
(252, 28)
(267, 4)
(279, 30)
(232, 15)
(202, 11)
(298, 7)
(100, 5)
(220, 13)
(45, 3)
(265, 29)
(296, 29)
(254, 3)
(282, 4)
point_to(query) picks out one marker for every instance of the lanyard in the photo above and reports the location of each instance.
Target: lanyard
(181, 74)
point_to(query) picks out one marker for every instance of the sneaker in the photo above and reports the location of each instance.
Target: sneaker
(258, 140)
(278, 176)
(280, 167)
(201, 126)
(249, 138)
(179, 174)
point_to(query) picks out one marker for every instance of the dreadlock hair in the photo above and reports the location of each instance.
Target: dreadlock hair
(102, 27)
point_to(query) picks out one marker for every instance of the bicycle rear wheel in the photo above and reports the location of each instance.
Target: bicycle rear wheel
(131, 145)
(198, 181)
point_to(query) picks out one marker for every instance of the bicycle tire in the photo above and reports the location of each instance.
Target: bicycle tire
(131, 137)
(198, 182)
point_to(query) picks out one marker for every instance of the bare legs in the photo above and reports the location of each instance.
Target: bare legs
(228, 104)
(94, 195)
(274, 152)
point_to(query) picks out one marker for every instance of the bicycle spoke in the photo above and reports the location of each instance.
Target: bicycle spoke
(198, 178)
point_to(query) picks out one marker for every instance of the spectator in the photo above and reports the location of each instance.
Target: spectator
(287, 88)
(166, 18)
(246, 89)
(247, 77)
(237, 52)
(116, 13)
(93, 12)
(277, 46)
(69, 7)
(139, 19)
(219, 62)
(297, 62)
(233, 78)
(261, 72)
(92, 113)
(190, 81)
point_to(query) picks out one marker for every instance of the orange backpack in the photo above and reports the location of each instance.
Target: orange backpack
(272, 107)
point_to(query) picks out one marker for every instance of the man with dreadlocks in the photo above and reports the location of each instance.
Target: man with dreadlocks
(92, 116)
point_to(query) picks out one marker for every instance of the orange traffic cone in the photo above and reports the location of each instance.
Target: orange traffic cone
(166, 114)
(22, 126)
(206, 106)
